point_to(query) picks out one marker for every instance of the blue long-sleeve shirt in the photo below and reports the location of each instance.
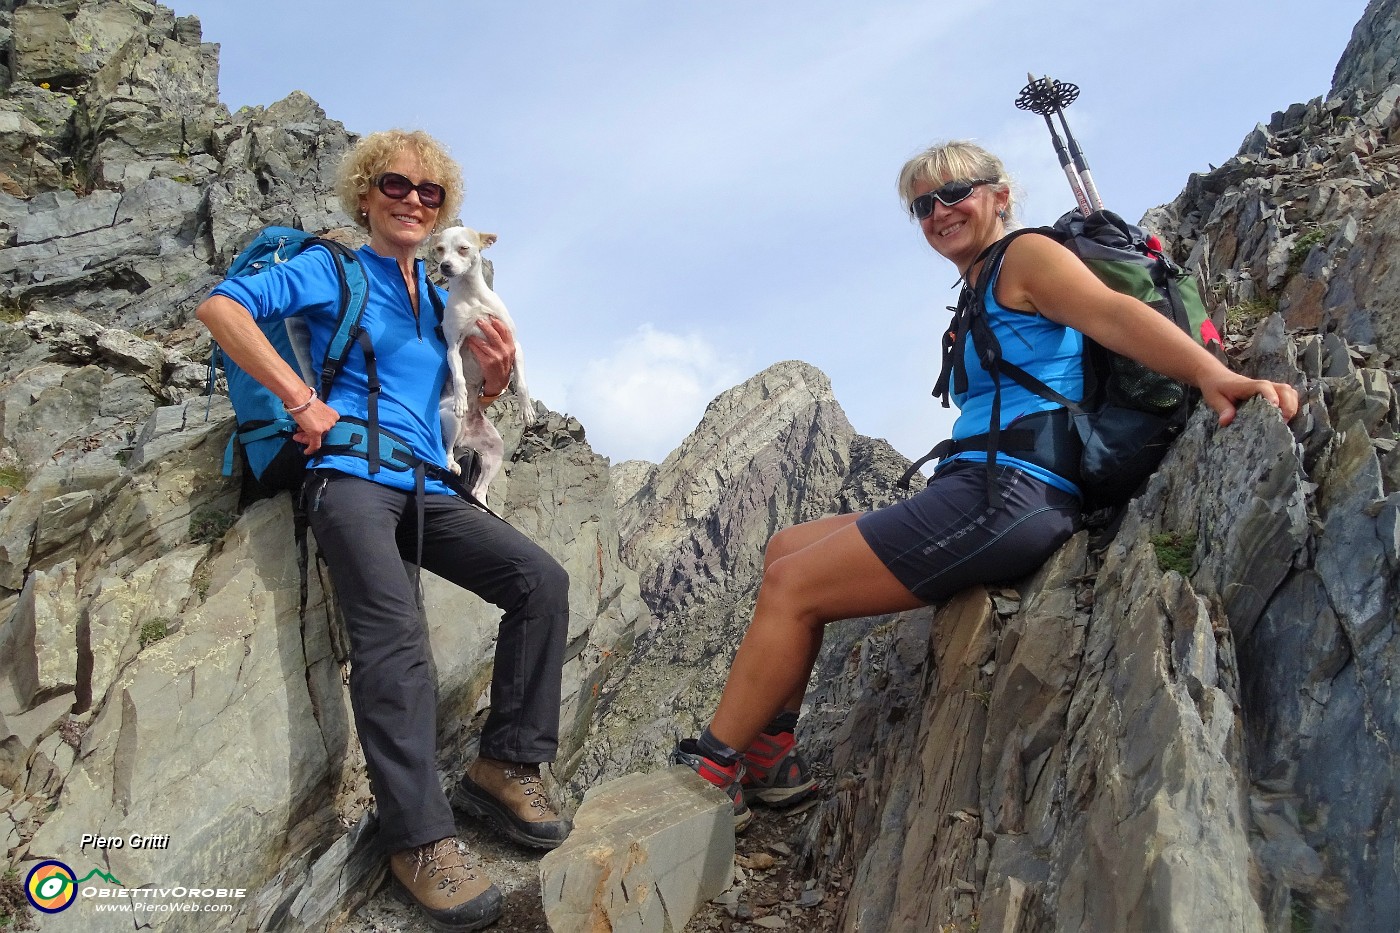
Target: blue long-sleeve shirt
(410, 355)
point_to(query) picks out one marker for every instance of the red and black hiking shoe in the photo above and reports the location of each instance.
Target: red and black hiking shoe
(774, 772)
(727, 778)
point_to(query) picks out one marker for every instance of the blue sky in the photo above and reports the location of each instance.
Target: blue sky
(687, 193)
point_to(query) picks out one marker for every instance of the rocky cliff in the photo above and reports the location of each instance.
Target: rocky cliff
(162, 671)
(772, 451)
(1190, 728)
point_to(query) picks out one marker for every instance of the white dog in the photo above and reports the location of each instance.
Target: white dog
(469, 299)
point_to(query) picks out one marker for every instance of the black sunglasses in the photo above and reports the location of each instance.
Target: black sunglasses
(393, 185)
(947, 195)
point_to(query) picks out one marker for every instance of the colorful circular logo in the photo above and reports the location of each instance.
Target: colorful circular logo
(51, 886)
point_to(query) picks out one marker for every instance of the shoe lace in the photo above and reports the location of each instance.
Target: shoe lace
(529, 779)
(448, 856)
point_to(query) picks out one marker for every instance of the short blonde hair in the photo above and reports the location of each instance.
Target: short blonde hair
(371, 156)
(957, 159)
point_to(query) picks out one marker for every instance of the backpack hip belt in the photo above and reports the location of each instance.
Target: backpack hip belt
(1047, 439)
(350, 436)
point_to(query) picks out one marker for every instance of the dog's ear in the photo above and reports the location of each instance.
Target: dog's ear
(487, 239)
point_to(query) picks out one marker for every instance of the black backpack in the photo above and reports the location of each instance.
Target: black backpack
(1113, 440)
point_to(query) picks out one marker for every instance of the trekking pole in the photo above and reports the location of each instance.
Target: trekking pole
(1046, 95)
(1032, 98)
(1075, 153)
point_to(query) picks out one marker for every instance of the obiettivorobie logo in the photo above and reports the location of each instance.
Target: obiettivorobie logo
(52, 886)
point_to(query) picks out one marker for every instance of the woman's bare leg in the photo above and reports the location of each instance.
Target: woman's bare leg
(794, 538)
(790, 540)
(823, 572)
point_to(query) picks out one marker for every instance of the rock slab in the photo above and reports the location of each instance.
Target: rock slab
(646, 851)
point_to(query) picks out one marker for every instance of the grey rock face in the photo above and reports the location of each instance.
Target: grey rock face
(1304, 221)
(1300, 221)
(164, 667)
(140, 186)
(1372, 58)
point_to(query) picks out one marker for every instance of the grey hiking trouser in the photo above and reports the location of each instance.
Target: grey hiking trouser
(367, 533)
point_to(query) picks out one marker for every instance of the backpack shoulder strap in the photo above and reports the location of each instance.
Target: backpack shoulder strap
(435, 298)
(995, 254)
(970, 318)
(354, 292)
(439, 308)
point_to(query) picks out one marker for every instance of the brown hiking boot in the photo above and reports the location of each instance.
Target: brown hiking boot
(444, 880)
(512, 797)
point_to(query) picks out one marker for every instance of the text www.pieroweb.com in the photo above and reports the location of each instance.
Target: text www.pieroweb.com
(183, 907)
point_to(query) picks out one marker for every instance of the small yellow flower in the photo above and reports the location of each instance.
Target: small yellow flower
(44, 85)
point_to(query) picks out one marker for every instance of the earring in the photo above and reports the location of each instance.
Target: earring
(1001, 215)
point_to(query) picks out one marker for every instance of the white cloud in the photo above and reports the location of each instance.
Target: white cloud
(642, 399)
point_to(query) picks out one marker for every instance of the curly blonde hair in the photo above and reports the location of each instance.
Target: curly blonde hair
(372, 156)
(956, 159)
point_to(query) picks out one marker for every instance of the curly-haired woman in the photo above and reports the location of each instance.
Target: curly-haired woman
(400, 187)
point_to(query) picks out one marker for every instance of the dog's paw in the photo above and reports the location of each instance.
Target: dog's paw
(454, 466)
(459, 405)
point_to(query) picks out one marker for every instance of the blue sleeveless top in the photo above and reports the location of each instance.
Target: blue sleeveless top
(1051, 352)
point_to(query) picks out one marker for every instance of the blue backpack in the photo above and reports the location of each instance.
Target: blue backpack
(264, 428)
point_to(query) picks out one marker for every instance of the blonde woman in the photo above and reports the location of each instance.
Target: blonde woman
(1041, 302)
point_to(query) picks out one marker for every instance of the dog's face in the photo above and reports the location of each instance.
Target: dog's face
(457, 250)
